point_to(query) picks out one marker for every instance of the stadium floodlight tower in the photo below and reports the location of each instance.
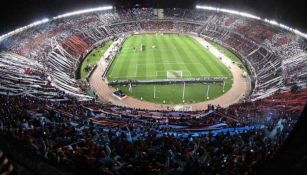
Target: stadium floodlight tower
(84, 11)
(46, 20)
(36, 23)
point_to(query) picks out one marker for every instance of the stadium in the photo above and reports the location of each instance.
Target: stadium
(106, 90)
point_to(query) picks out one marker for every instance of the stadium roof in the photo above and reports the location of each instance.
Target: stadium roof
(211, 8)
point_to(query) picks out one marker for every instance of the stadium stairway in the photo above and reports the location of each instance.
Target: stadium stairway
(6, 167)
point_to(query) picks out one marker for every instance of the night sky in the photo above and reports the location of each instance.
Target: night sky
(16, 13)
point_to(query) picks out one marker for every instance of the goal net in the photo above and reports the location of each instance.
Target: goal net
(173, 74)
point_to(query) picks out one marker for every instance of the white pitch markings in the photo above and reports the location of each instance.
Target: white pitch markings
(168, 63)
(111, 71)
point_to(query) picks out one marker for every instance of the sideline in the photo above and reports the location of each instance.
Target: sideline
(233, 95)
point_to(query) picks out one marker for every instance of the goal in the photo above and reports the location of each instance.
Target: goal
(173, 74)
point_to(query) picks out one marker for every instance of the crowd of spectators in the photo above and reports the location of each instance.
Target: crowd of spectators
(77, 134)
(107, 139)
(60, 45)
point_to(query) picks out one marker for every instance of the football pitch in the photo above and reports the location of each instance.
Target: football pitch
(168, 56)
(92, 58)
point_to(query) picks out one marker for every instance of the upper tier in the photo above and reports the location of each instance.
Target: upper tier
(42, 60)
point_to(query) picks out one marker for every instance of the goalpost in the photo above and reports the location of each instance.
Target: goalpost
(173, 74)
(141, 49)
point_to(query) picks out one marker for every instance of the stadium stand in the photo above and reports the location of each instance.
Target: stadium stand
(45, 109)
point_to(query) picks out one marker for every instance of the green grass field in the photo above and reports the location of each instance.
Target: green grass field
(168, 56)
(228, 53)
(93, 58)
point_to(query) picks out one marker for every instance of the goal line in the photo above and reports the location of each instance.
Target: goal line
(173, 74)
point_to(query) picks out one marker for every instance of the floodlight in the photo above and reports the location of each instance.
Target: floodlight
(45, 20)
(84, 11)
(244, 14)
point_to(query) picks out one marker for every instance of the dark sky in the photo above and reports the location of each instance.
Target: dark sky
(16, 13)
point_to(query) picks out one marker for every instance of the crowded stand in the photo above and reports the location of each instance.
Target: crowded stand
(45, 110)
(73, 133)
(72, 38)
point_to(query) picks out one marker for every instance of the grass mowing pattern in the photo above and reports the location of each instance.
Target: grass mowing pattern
(93, 58)
(172, 53)
(162, 53)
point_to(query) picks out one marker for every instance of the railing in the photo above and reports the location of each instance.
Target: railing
(168, 81)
